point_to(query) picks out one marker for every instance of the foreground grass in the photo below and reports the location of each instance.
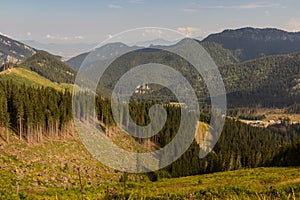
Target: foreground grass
(260, 183)
(63, 169)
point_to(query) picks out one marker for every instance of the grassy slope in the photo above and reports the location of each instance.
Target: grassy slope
(260, 183)
(30, 78)
(50, 171)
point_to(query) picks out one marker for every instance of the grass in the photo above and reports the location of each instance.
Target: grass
(51, 171)
(29, 78)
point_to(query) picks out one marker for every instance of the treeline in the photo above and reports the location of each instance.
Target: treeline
(289, 153)
(138, 111)
(240, 145)
(252, 117)
(266, 81)
(295, 108)
(34, 113)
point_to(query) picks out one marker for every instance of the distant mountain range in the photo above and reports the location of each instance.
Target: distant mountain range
(258, 66)
(251, 43)
(250, 78)
(220, 55)
(244, 44)
(65, 50)
(158, 41)
(14, 51)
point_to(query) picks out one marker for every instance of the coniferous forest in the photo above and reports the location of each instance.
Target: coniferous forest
(37, 113)
(34, 113)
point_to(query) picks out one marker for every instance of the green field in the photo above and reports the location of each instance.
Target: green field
(29, 78)
(63, 169)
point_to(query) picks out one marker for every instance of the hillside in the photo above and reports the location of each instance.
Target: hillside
(22, 76)
(50, 67)
(251, 43)
(13, 51)
(219, 54)
(51, 171)
(62, 168)
(76, 61)
(271, 81)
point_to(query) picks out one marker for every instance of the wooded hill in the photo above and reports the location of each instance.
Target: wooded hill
(272, 81)
(50, 67)
(251, 43)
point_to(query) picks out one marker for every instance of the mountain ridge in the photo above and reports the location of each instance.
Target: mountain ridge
(14, 51)
(250, 43)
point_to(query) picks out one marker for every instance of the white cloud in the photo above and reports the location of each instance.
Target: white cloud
(79, 37)
(189, 31)
(48, 36)
(64, 38)
(136, 1)
(28, 33)
(114, 6)
(246, 6)
(293, 25)
(189, 10)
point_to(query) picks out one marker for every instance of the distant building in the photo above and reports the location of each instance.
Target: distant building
(142, 89)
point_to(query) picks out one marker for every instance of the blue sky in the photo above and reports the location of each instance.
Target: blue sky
(92, 21)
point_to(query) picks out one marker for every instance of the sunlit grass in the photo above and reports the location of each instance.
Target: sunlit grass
(29, 78)
(51, 171)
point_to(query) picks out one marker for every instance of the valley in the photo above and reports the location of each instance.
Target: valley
(256, 156)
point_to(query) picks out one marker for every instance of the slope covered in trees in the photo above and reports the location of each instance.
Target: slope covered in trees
(240, 145)
(219, 54)
(34, 113)
(251, 43)
(50, 67)
(269, 81)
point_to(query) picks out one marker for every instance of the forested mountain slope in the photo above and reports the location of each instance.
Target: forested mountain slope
(251, 43)
(271, 81)
(50, 67)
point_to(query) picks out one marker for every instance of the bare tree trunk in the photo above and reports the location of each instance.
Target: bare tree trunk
(7, 134)
(20, 130)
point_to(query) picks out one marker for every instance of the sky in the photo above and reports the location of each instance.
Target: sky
(92, 21)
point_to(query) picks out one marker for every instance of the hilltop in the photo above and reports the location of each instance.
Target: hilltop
(250, 43)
